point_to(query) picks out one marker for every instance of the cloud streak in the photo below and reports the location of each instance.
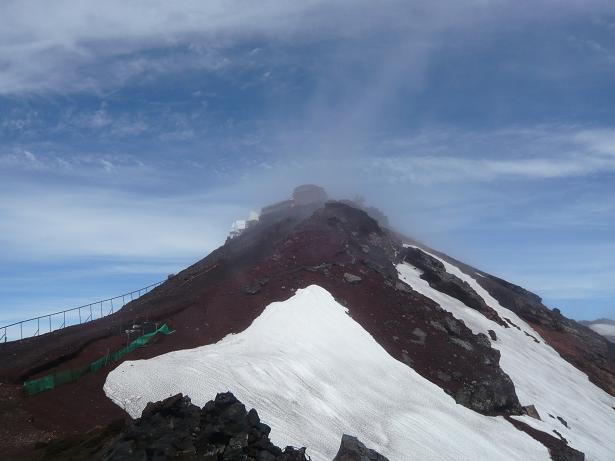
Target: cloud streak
(94, 46)
(47, 224)
(545, 155)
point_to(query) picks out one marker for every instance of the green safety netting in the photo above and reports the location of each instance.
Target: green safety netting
(51, 381)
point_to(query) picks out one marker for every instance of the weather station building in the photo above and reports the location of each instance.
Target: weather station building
(304, 196)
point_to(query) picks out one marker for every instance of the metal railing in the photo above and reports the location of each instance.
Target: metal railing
(76, 316)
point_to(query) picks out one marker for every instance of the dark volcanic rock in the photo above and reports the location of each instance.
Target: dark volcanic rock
(559, 450)
(577, 343)
(563, 421)
(492, 395)
(438, 278)
(177, 429)
(351, 449)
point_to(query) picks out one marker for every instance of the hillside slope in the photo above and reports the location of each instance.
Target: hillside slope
(317, 374)
(568, 404)
(342, 250)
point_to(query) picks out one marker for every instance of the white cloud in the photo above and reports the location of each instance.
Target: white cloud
(524, 154)
(600, 142)
(62, 223)
(97, 119)
(90, 45)
(21, 158)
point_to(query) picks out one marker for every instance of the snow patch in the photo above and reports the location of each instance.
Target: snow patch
(541, 376)
(313, 373)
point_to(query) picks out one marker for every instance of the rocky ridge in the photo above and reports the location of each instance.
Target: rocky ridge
(223, 430)
(340, 248)
(574, 341)
(436, 275)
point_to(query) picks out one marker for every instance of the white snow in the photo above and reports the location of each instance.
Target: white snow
(603, 329)
(313, 373)
(541, 376)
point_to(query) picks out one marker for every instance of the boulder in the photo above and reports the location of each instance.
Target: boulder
(351, 449)
(351, 278)
(177, 429)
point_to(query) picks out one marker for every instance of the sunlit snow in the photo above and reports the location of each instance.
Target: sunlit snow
(313, 373)
(541, 376)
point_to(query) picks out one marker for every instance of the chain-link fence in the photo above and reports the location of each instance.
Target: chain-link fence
(57, 320)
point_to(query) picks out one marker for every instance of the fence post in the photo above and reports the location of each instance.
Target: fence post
(139, 293)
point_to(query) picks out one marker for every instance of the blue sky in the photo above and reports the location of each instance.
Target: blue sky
(131, 136)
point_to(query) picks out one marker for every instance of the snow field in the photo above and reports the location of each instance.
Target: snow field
(313, 373)
(541, 376)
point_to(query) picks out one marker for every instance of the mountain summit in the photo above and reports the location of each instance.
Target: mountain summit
(327, 322)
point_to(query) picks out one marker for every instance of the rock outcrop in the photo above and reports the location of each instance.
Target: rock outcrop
(351, 449)
(222, 430)
(434, 273)
(176, 429)
(577, 343)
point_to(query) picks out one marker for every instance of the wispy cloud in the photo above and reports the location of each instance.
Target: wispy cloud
(46, 224)
(94, 46)
(48, 47)
(492, 156)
